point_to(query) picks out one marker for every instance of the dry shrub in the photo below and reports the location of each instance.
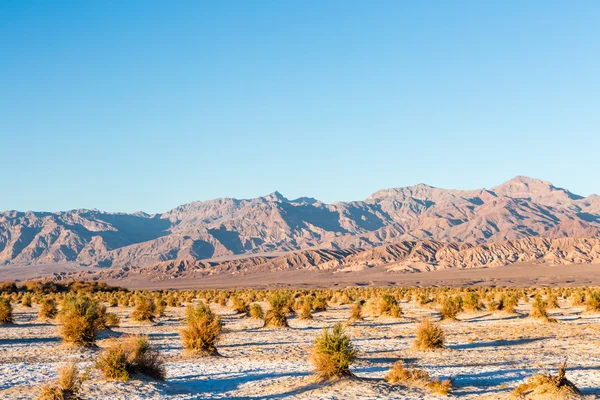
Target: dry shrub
(429, 335)
(356, 312)
(548, 385)
(26, 301)
(443, 387)
(305, 311)
(161, 307)
(510, 303)
(275, 317)
(127, 356)
(423, 299)
(414, 377)
(172, 301)
(552, 301)
(388, 306)
(319, 304)
(472, 302)
(203, 329)
(451, 306)
(239, 305)
(539, 310)
(256, 311)
(67, 385)
(6, 314)
(112, 319)
(81, 319)
(145, 310)
(333, 353)
(48, 310)
(592, 301)
(51, 392)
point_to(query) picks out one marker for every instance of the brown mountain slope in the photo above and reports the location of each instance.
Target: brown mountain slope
(519, 208)
(409, 256)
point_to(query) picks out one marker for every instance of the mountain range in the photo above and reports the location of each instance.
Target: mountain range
(227, 228)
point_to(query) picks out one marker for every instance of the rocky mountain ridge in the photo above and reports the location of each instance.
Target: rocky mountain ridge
(407, 256)
(520, 208)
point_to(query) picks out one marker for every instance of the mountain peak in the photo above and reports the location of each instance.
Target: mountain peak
(536, 189)
(276, 196)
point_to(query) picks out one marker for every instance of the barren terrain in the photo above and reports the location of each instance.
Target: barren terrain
(487, 355)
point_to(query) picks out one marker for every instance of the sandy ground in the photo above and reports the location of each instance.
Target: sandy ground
(487, 355)
(515, 275)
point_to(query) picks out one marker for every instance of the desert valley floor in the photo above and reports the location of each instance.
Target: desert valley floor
(487, 354)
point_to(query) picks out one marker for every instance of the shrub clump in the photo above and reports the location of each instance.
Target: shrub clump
(133, 354)
(256, 311)
(6, 312)
(305, 310)
(48, 310)
(451, 306)
(66, 386)
(356, 312)
(472, 302)
(539, 310)
(592, 301)
(26, 301)
(414, 377)
(388, 306)
(81, 319)
(203, 330)
(333, 353)
(275, 316)
(429, 336)
(557, 386)
(239, 305)
(145, 310)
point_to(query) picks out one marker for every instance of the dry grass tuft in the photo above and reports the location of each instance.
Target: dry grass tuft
(414, 377)
(548, 385)
(333, 353)
(133, 354)
(67, 385)
(429, 335)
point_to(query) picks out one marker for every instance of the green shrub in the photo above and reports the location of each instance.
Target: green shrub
(81, 319)
(333, 353)
(202, 331)
(276, 315)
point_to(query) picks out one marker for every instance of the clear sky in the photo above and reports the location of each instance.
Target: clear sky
(146, 105)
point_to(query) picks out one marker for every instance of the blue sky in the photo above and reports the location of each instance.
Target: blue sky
(145, 105)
